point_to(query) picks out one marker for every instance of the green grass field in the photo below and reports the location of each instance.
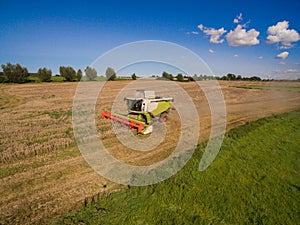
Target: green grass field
(276, 88)
(254, 180)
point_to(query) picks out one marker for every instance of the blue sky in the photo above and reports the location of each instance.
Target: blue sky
(230, 36)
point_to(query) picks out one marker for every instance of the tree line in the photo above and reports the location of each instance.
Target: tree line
(181, 78)
(15, 73)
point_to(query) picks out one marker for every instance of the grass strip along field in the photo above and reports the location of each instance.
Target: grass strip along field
(254, 180)
(276, 88)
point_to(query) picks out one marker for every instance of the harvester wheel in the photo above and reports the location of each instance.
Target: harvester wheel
(163, 117)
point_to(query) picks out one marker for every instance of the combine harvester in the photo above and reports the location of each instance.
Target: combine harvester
(143, 110)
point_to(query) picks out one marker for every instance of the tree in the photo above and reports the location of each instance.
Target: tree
(224, 78)
(231, 76)
(15, 73)
(110, 73)
(67, 72)
(167, 75)
(79, 75)
(3, 78)
(179, 77)
(133, 76)
(91, 73)
(190, 78)
(195, 77)
(255, 78)
(44, 74)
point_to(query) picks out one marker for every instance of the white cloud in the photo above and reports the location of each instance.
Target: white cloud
(282, 55)
(238, 18)
(280, 33)
(286, 71)
(241, 37)
(260, 57)
(213, 33)
(193, 32)
(289, 74)
(282, 63)
(277, 71)
(236, 55)
(211, 51)
(292, 71)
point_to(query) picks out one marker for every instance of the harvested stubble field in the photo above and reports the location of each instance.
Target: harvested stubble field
(43, 175)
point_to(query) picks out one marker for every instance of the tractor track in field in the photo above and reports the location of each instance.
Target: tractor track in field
(39, 188)
(7, 100)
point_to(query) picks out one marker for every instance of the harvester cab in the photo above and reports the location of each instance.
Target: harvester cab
(143, 110)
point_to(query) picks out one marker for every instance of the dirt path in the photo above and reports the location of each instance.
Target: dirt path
(43, 175)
